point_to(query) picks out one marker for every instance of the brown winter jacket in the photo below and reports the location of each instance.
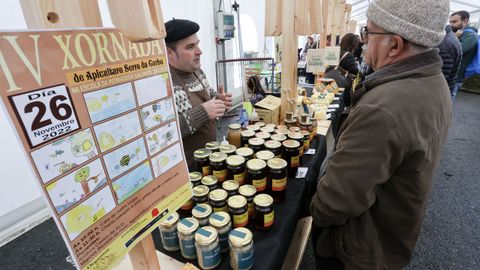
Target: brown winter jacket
(372, 199)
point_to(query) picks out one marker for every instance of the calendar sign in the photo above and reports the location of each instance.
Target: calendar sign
(45, 114)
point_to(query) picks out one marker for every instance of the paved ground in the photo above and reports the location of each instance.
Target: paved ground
(450, 238)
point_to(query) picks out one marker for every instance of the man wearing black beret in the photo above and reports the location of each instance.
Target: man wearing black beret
(197, 104)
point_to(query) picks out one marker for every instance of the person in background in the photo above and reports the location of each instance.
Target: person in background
(197, 104)
(468, 39)
(359, 50)
(451, 53)
(311, 44)
(370, 201)
(348, 45)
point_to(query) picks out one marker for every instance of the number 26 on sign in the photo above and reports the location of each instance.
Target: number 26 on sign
(45, 114)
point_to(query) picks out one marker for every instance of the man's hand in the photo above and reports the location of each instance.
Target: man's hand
(214, 108)
(225, 97)
(459, 33)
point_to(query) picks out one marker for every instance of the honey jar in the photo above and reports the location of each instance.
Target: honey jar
(256, 175)
(253, 128)
(208, 247)
(231, 187)
(210, 181)
(291, 154)
(278, 178)
(195, 178)
(245, 152)
(214, 146)
(221, 222)
(218, 200)
(168, 232)
(297, 136)
(263, 212)
(256, 144)
(246, 135)
(200, 194)
(275, 147)
(238, 210)
(228, 149)
(202, 162)
(265, 155)
(263, 135)
(236, 168)
(306, 140)
(202, 212)
(241, 249)
(218, 163)
(234, 134)
(248, 191)
(186, 234)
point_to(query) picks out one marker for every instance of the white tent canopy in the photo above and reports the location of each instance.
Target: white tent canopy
(359, 9)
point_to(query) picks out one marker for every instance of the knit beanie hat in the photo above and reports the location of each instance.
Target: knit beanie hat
(418, 21)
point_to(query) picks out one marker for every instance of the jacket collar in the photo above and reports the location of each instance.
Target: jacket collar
(420, 65)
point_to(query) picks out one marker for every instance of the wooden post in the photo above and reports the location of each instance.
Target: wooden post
(83, 13)
(273, 18)
(289, 57)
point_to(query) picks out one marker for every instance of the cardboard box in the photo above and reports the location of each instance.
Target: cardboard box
(268, 109)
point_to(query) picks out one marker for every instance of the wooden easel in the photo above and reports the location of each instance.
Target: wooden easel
(143, 22)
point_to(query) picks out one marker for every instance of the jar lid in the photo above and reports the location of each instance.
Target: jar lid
(209, 180)
(281, 131)
(218, 195)
(263, 200)
(240, 237)
(256, 164)
(281, 127)
(195, 176)
(200, 190)
(212, 145)
(237, 201)
(265, 155)
(247, 190)
(294, 129)
(305, 133)
(219, 219)
(272, 144)
(218, 157)
(291, 144)
(290, 121)
(230, 185)
(201, 210)
(202, 153)
(234, 126)
(262, 135)
(260, 124)
(295, 135)
(279, 137)
(236, 160)
(187, 225)
(256, 141)
(253, 127)
(271, 125)
(170, 220)
(206, 235)
(248, 133)
(244, 151)
(267, 129)
(228, 148)
(277, 163)
(304, 118)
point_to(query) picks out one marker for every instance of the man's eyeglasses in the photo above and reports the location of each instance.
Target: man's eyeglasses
(364, 33)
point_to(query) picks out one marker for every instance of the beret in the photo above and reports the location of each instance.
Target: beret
(178, 29)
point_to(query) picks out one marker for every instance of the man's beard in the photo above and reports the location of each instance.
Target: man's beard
(455, 29)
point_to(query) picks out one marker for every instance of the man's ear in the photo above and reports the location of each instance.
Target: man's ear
(171, 53)
(397, 46)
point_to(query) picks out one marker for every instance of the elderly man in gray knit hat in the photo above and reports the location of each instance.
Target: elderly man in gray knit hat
(370, 203)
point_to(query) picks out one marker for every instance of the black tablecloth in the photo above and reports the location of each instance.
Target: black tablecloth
(271, 246)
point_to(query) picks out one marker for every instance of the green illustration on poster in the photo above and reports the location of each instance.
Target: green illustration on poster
(117, 131)
(158, 113)
(124, 158)
(162, 137)
(132, 182)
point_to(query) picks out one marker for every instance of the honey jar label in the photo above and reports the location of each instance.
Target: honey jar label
(188, 248)
(268, 219)
(306, 145)
(250, 209)
(220, 209)
(245, 259)
(188, 205)
(206, 170)
(260, 184)
(240, 220)
(301, 151)
(240, 178)
(210, 258)
(221, 175)
(279, 184)
(294, 161)
(170, 240)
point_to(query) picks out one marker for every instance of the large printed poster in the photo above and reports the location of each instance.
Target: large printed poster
(96, 116)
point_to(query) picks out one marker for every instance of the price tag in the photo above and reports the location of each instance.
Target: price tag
(333, 106)
(310, 151)
(302, 172)
(336, 98)
(45, 114)
(331, 110)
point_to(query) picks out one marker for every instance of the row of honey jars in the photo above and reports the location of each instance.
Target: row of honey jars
(269, 177)
(209, 161)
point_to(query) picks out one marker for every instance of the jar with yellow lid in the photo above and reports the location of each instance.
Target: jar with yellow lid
(168, 232)
(236, 168)
(297, 136)
(238, 210)
(228, 149)
(275, 147)
(291, 154)
(264, 214)
(218, 200)
(278, 178)
(253, 128)
(294, 129)
(241, 249)
(234, 134)
(256, 144)
(231, 187)
(187, 207)
(279, 137)
(246, 135)
(245, 152)
(195, 178)
(265, 155)
(263, 135)
(221, 222)
(306, 140)
(271, 125)
(260, 124)
(218, 163)
(200, 194)
(269, 130)
(202, 212)
(257, 175)
(248, 191)
(282, 131)
(214, 146)
(202, 162)
(186, 229)
(208, 247)
(210, 181)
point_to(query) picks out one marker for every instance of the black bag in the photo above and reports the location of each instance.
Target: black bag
(343, 78)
